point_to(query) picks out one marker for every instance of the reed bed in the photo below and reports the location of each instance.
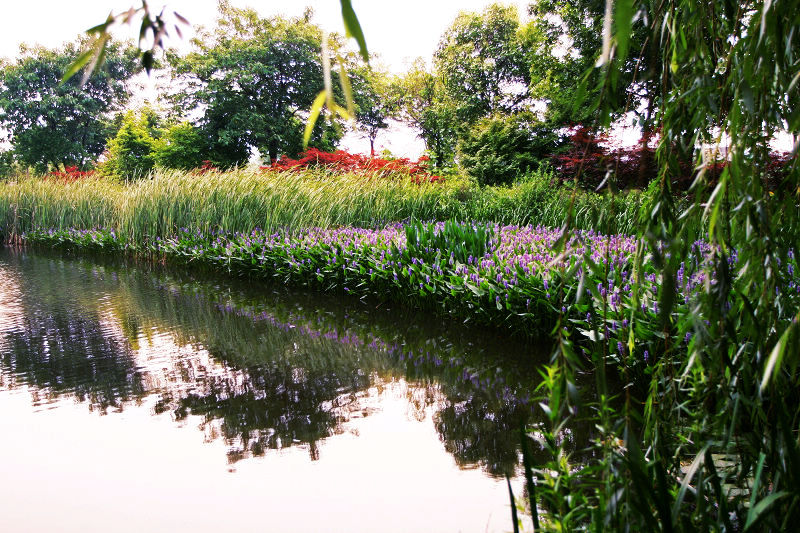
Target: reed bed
(243, 200)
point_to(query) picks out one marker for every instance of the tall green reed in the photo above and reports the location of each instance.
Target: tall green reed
(242, 200)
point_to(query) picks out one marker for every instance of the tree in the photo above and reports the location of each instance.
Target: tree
(183, 147)
(52, 123)
(254, 78)
(563, 40)
(373, 102)
(7, 163)
(421, 102)
(483, 65)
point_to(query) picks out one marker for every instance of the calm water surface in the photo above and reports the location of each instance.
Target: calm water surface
(136, 399)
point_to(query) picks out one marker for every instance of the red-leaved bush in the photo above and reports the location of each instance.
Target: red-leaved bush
(70, 174)
(589, 159)
(207, 167)
(344, 162)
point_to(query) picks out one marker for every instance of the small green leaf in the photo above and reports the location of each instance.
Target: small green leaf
(342, 112)
(182, 19)
(673, 64)
(762, 507)
(776, 355)
(676, 507)
(101, 28)
(623, 19)
(346, 88)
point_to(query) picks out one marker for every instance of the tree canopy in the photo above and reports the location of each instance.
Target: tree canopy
(52, 123)
(563, 39)
(421, 102)
(483, 65)
(255, 79)
(374, 102)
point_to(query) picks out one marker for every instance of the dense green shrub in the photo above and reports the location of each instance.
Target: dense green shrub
(132, 152)
(7, 163)
(183, 147)
(501, 148)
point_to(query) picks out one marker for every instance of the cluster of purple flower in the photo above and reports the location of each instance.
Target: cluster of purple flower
(526, 278)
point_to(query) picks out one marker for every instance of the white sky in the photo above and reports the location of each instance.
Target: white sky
(397, 31)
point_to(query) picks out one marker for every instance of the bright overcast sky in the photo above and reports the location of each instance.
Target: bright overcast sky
(398, 31)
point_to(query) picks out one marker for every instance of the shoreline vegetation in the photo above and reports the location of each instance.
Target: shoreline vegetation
(679, 302)
(242, 200)
(510, 267)
(494, 257)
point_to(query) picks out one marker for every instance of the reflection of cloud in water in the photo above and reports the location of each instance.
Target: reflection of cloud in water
(262, 374)
(12, 313)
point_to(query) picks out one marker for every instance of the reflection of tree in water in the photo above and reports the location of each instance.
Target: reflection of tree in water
(478, 432)
(57, 348)
(286, 370)
(276, 406)
(283, 401)
(479, 413)
(59, 355)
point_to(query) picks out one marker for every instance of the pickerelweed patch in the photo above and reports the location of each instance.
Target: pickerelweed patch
(516, 277)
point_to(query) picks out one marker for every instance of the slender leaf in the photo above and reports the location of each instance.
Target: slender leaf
(316, 108)
(353, 28)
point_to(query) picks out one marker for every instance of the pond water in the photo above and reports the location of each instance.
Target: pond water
(136, 398)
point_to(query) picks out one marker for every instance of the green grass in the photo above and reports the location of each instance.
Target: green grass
(242, 200)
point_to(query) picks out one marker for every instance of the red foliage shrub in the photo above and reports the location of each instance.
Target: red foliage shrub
(341, 161)
(70, 174)
(588, 162)
(207, 167)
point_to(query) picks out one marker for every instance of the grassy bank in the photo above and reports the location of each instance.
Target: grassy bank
(240, 201)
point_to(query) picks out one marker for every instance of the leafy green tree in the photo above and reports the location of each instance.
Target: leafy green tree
(254, 78)
(132, 152)
(182, 147)
(501, 148)
(52, 123)
(152, 119)
(156, 28)
(563, 40)
(421, 103)
(483, 64)
(373, 101)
